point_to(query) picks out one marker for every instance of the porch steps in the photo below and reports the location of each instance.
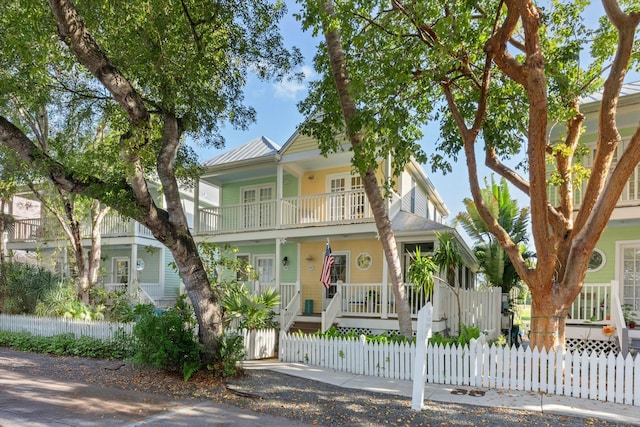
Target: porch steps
(307, 324)
(305, 327)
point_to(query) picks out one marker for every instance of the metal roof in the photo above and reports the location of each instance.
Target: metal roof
(259, 147)
(626, 90)
(405, 221)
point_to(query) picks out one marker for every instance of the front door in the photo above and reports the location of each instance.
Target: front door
(265, 269)
(339, 273)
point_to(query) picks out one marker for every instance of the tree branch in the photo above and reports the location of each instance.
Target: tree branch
(73, 32)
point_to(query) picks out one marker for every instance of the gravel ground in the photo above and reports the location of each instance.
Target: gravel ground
(282, 395)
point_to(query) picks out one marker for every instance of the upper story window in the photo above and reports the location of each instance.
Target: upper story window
(258, 206)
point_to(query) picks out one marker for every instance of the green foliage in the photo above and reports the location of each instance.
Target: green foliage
(117, 305)
(61, 301)
(23, 286)
(231, 352)
(467, 333)
(166, 340)
(494, 262)
(68, 345)
(447, 256)
(386, 338)
(422, 271)
(253, 311)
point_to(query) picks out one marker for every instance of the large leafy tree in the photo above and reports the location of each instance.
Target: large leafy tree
(498, 75)
(148, 74)
(494, 262)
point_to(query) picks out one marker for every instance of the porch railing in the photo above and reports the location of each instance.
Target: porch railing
(344, 207)
(327, 208)
(245, 216)
(42, 229)
(593, 304)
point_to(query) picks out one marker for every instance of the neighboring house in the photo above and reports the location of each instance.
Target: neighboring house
(132, 258)
(280, 207)
(614, 267)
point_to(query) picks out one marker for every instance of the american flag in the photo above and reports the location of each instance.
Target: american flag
(325, 278)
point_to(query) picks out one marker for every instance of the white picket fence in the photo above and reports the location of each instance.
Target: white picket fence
(597, 376)
(50, 326)
(258, 344)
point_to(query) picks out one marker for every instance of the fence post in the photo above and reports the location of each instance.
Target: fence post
(425, 317)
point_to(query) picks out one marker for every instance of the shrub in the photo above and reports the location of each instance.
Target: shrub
(68, 345)
(23, 286)
(166, 340)
(252, 311)
(61, 301)
(231, 352)
(116, 305)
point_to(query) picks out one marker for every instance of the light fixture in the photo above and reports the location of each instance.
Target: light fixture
(285, 261)
(309, 258)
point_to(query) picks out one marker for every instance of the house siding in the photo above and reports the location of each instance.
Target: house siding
(171, 277)
(310, 270)
(607, 244)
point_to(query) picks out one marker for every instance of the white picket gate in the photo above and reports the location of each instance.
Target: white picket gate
(597, 376)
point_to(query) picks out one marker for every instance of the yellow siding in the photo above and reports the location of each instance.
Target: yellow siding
(315, 182)
(312, 289)
(301, 144)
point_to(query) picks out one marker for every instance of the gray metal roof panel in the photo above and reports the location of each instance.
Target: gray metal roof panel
(256, 148)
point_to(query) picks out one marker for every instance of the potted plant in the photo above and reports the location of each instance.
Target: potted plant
(627, 313)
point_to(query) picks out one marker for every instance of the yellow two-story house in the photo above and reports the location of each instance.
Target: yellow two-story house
(281, 206)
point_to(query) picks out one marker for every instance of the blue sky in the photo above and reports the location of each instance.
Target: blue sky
(278, 117)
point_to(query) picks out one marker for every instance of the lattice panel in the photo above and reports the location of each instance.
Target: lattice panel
(591, 345)
(359, 331)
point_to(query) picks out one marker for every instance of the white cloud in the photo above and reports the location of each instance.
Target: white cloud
(290, 89)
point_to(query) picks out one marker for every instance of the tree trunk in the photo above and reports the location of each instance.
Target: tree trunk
(548, 321)
(205, 301)
(3, 227)
(371, 187)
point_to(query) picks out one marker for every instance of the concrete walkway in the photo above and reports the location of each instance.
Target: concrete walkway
(531, 401)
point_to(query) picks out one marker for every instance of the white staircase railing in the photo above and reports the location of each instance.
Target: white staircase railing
(330, 314)
(289, 313)
(617, 317)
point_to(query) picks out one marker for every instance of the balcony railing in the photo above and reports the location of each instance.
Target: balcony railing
(43, 229)
(630, 195)
(345, 207)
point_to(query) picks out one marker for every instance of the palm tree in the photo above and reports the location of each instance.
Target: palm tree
(495, 264)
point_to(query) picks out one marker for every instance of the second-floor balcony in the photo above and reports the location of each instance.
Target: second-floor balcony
(46, 229)
(345, 207)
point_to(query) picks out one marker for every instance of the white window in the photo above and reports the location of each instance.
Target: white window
(631, 276)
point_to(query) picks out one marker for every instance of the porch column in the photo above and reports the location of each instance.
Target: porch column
(384, 300)
(196, 207)
(279, 183)
(133, 271)
(279, 242)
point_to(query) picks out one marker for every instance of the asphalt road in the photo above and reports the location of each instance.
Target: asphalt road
(39, 401)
